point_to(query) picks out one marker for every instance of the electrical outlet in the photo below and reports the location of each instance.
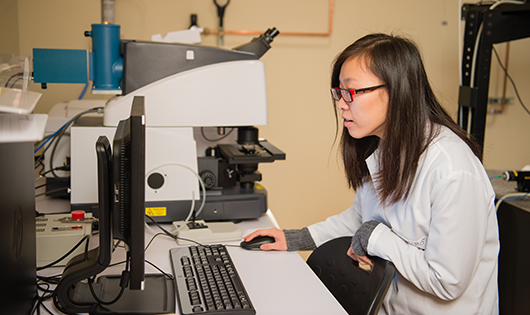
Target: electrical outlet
(499, 100)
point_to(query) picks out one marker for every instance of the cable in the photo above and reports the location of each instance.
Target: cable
(166, 232)
(193, 193)
(58, 168)
(479, 33)
(56, 137)
(123, 283)
(39, 304)
(53, 191)
(94, 295)
(49, 279)
(39, 163)
(169, 276)
(231, 245)
(49, 138)
(47, 292)
(13, 76)
(473, 64)
(63, 131)
(42, 140)
(117, 245)
(511, 80)
(83, 91)
(175, 237)
(65, 255)
(191, 207)
(500, 2)
(14, 82)
(153, 238)
(507, 196)
(149, 228)
(41, 175)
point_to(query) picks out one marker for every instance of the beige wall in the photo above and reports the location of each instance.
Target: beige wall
(9, 27)
(309, 185)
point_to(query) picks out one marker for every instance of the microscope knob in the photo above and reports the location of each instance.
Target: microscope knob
(208, 179)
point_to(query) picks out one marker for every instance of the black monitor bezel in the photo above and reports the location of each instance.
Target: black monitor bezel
(128, 213)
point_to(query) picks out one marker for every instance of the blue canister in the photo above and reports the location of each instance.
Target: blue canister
(106, 63)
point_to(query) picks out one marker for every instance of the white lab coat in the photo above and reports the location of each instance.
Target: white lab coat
(443, 239)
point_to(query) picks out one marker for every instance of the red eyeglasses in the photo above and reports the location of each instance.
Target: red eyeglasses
(347, 95)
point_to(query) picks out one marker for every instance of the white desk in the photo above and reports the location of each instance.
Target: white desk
(277, 282)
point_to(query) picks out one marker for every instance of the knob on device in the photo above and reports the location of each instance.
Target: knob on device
(78, 214)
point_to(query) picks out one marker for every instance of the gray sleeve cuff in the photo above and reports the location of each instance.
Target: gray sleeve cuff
(361, 237)
(299, 240)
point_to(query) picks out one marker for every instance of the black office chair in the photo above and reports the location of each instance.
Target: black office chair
(357, 290)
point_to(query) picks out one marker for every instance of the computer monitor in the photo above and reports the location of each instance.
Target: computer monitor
(128, 213)
(121, 199)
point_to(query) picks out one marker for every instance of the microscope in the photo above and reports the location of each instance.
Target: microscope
(201, 108)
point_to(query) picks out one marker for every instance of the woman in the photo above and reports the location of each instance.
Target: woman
(423, 199)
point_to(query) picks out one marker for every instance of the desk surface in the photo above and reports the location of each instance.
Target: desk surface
(277, 282)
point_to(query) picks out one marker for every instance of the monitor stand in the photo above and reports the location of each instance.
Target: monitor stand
(73, 294)
(158, 296)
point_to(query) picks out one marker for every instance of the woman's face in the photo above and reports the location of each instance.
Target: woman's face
(366, 114)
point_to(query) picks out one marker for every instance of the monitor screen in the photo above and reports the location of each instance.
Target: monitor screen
(128, 210)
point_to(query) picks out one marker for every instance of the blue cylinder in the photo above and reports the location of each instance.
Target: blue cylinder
(107, 63)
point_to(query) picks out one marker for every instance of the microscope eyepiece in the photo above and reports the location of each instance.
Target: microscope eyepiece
(270, 34)
(259, 45)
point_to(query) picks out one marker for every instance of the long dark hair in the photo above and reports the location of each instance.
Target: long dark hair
(413, 117)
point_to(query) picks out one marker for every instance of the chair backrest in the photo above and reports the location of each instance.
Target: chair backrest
(357, 290)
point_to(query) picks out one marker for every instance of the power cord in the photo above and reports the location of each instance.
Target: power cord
(47, 292)
(169, 276)
(44, 283)
(511, 80)
(42, 174)
(201, 183)
(167, 233)
(508, 197)
(20, 74)
(175, 237)
(85, 238)
(123, 284)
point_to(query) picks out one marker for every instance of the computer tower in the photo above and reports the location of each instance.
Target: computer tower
(17, 228)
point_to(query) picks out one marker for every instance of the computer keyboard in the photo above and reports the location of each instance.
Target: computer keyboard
(207, 281)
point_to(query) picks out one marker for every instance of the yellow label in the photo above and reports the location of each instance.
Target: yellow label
(156, 212)
(258, 186)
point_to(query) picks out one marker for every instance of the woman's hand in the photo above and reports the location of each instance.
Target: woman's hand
(279, 237)
(364, 260)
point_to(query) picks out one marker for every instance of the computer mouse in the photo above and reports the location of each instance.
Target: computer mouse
(256, 242)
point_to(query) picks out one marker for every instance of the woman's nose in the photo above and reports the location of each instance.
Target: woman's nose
(342, 105)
